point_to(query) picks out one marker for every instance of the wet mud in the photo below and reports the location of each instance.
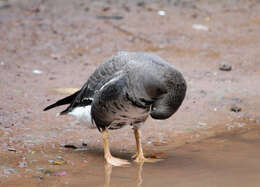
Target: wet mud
(49, 49)
(223, 157)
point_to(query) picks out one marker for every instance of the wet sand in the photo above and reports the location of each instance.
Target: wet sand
(44, 51)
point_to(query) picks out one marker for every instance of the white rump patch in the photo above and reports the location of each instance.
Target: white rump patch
(83, 115)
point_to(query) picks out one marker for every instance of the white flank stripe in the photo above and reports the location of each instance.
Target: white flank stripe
(83, 114)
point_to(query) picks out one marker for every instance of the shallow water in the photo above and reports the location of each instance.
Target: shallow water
(230, 158)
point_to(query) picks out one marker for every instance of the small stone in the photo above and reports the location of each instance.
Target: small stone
(52, 78)
(70, 146)
(202, 124)
(161, 13)
(235, 108)
(149, 142)
(84, 144)
(55, 56)
(200, 27)
(194, 15)
(160, 155)
(141, 4)
(105, 9)
(225, 67)
(11, 149)
(36, 71)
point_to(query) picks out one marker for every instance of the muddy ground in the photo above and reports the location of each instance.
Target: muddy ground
(46, 45)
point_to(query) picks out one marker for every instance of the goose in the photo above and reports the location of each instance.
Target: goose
(125, 90)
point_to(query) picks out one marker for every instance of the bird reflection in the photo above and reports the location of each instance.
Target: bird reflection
(139, 178)
(108, 173)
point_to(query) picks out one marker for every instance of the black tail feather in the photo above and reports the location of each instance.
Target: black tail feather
(64, 101)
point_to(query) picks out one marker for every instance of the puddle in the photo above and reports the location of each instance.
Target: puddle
(229, 158)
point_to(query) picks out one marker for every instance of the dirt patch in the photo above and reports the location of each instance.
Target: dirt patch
(51, 45)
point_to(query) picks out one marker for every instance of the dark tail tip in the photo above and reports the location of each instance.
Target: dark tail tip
(50, 107)
(63, 101)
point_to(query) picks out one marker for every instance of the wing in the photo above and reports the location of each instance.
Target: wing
(105, 72)
(108, 101)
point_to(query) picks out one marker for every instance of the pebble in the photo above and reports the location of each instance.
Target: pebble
(55, 56)
(141, 4)
(225, 67)
(105, 9)
(235, 108)
(84, 144)
(202, 124)
(11, 149)
(161, 13)
(200, 27)
(70, 146)
(36, 71)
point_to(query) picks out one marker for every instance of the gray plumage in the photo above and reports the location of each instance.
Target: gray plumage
(127, 88)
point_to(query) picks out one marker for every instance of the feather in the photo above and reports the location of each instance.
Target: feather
(64, 101)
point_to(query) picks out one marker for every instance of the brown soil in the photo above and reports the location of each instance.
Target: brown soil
(205, 141)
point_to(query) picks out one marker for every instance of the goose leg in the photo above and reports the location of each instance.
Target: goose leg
(139, 156)
(109, 158)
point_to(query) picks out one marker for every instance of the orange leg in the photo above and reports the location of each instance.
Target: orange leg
(139, 156)
(109, 158)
